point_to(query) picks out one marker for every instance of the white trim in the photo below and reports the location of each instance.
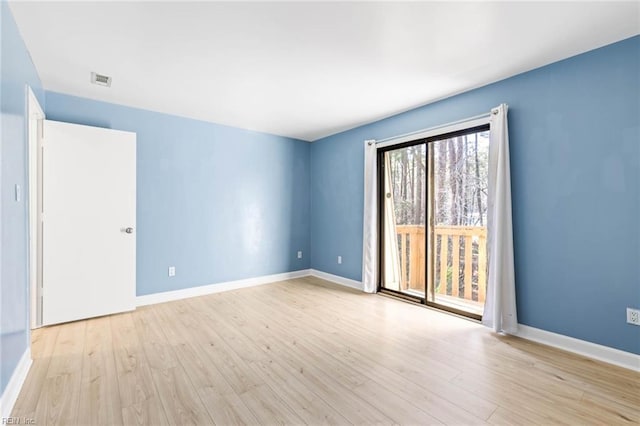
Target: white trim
(11, 392)
(347, 282)
(467, 123)
(168, 296)
(592, 350)
(35, 115)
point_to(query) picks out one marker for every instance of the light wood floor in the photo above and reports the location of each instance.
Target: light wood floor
(305, 351)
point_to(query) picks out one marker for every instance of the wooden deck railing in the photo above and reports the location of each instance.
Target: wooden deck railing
(460, 264)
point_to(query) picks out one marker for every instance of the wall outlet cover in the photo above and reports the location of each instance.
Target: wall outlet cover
(633, 316)
(172, 271)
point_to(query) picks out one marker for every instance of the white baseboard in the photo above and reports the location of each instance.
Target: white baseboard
(168, 296)
(581, 347)
(337, 279)
(11, 392)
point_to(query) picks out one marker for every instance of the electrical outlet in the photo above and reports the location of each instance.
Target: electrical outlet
(633, 316)
(339, 260)
(172, 271)
(299, 255)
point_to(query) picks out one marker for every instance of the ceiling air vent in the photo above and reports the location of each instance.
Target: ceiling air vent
(100, 79)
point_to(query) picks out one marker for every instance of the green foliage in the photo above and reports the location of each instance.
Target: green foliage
(458, 184)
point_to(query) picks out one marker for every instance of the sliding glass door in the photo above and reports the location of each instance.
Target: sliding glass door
(403, 254)
(433, 204)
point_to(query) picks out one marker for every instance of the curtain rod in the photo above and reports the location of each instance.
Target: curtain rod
(453, 123)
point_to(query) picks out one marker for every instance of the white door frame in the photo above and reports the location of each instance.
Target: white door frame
(35, 116)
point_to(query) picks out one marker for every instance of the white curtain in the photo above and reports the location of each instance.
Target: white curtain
(500, 305)
(370, 231)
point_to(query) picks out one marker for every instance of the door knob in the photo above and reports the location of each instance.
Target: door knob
(129, 230)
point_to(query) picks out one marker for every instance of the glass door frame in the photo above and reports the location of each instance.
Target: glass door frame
(429, 263)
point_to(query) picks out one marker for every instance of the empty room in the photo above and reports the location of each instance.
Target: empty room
(262, 213)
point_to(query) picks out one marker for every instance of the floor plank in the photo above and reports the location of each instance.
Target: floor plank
(99, 394)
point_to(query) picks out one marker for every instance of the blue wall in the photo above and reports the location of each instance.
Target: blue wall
(16, 71)
(218, 203)
(575, 162)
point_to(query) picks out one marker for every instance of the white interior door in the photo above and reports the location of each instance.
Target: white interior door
(89, 214)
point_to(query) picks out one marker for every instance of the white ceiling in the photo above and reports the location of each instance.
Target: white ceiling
(304, 70)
